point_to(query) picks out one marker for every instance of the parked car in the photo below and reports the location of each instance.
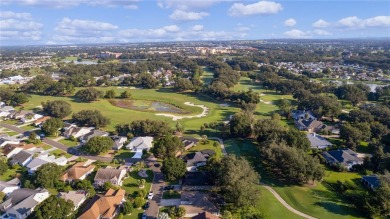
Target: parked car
(150, 195)
(166, 188)
(157, 165)
(146, 206)
(144, 215)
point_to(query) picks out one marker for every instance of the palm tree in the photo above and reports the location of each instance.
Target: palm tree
(139, 166)
(141, 183)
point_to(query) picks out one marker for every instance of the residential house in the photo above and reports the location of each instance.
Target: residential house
(205, 215)
(21, 114)
(22, 158)
(194, 160)
(35, 164)
(6, 111)
(344, 157)
(317, 141)
(9, 186)
(303, 114)
(372, 182)
(4, 140)
(115, 176)
(309, 125)
(139, 144)
(105, 206)
(39, 122)
(79, 171)
(77, 132)
(11, 149)
(30, 117)
(21, 203)
(119, 141)
(94, 133)
(189, 142)
(77, 197)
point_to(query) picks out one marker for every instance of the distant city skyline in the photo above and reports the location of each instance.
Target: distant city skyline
(51, 22)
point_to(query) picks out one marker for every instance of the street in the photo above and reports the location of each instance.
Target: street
(157, 188)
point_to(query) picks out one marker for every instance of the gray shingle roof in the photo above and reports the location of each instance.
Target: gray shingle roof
(21, 156)
(343, 156)
(317, 141)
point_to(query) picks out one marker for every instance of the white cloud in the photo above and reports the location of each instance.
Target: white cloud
(17, 27)
(77, 27)
(321, 24)
(290, 22)
(197, 27)
(187, 15)
(187, 4)
(129, 4)
(171, 28)
(354, 22)
(261, 7)
(322, 32)
(297, 34)
(11, 14)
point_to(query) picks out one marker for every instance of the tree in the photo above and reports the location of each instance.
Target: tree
(97, 145)
(19, 98)
(3, 165)
(139, 202)
(33, 137)
(141, 183)
(177, 211)
(125, 94)
(167, 146)
(285, 107)
(47, 175)
(179, 127)
(2, 196)
(237, 180)
(54, 208)
(51, 126)
(147, 80)
(241, 124)
(173, 168)
(86, 185)
(139, 166)
(163, 215)
(110, 94)
(183, 84)
(57, 108)
(90, 118)
(89, 94)
(127, 208)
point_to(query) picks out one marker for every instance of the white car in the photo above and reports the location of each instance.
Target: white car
(150, 195)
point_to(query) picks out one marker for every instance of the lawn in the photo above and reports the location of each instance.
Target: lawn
(209, 146)
(119, 115)
(123, 154)
(59, 153)
(28, 127)
(208, 76)
(68, 142)
(10, 173)
(130, 186)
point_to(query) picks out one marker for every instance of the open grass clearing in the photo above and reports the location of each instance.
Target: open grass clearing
(208, 76)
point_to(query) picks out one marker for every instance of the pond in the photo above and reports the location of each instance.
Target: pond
(82, 62)
(145, 105)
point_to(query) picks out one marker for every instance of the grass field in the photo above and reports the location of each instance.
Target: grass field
(208, 76)
(118, 115)
(209, 145)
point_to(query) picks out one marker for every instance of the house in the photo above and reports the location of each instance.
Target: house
(189, 142)
(94, 133)
(39, 122)
(30, 117)
(79, 171)
(105, 206)
(6, 111)
(372, 182)
(119, 141)
(21, 114)
(35, 164)
(345, 157)
(317, 141)
(115, 176)
(194, 160)
(140, 143)
(10, 150)
(205, 215)
(76, 132)
(10, 186)
(303, 114)
(21, 203)
(77, 197)
(309, 125)
(4, 140)
(22, 158)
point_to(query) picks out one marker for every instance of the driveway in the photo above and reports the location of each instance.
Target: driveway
(157, 188)
(54, 143)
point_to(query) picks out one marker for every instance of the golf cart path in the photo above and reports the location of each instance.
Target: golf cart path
(274, 193)
(175, 117)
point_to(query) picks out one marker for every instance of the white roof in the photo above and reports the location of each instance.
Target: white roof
(140, 143)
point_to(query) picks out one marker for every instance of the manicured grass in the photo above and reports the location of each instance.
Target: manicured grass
(68, 142)
(130, 186)
(208, 76)
(171, 194)
(209, 146)
(10, 173)
(59, 153)
(28, 127)
(123, 154)
(46, 147)
(11, 122)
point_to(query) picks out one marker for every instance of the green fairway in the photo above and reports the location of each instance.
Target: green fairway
(117, 115)
(208, 76)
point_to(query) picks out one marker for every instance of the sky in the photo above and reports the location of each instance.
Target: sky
(51, 22)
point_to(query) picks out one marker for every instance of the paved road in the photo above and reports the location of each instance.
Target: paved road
(53, 143)
(157, 188)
